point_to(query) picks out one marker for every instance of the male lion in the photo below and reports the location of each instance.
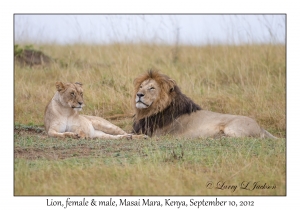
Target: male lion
(62, 118)
(161, 108)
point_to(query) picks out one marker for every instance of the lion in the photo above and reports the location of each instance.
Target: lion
(162, 109)
(62, 118)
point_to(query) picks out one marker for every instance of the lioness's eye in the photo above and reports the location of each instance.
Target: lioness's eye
(72, 94)
(81, 94)
(152, 88)
(140, 86)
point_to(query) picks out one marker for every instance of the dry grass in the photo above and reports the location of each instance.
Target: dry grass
(248, 80)
(141, 179)
(148, 167)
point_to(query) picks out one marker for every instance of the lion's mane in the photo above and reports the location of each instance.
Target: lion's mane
(170, 105)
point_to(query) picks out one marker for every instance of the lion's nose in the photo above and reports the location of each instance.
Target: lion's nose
(140, 95)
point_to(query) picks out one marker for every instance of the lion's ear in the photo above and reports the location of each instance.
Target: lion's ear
(172, 84)
(78, 83)
(60, 86)
(172, 81)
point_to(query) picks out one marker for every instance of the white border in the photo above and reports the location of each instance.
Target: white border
(8, 201)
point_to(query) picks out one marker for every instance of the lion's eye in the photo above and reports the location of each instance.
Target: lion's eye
(152, 88)
(140, 86)
(72, 94)
(81, 94)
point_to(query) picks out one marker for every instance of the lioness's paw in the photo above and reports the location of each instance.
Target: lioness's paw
(76, 136)
(127, 136)
(140, 136)
(71, 135)
(82, 135)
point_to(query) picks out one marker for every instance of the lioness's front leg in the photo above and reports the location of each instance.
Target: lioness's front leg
(142, 136)
(102, 135)
(101, 124)
(54, 133)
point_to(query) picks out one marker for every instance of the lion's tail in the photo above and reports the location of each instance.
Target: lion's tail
(266, 134)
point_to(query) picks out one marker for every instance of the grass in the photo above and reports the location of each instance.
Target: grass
(162, 166)
(248, 80)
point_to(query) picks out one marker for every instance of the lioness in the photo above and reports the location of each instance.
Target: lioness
(62, 118)
(161, 108)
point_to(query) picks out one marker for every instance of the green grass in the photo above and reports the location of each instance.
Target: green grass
(159, 166)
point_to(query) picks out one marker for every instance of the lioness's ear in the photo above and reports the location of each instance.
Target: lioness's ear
(60, 86)
(78, 83)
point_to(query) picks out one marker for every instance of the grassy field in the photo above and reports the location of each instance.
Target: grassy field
(248, 80)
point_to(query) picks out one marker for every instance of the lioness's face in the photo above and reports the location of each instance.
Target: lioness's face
(71, 95)
(147, 94)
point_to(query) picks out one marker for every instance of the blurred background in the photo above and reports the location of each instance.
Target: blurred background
(192, 29)
(226, 63)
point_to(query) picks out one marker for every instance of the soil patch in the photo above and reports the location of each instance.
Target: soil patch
(52, 153)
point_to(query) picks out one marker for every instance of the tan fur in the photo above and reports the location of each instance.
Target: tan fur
(161, 85)
(156, 94)
(62, 118)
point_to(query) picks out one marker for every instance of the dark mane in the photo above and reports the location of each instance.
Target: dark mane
(179, 106)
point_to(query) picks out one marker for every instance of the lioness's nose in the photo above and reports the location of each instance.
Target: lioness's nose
(140, 95)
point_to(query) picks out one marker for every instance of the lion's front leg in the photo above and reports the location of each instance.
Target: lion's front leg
(105, 126)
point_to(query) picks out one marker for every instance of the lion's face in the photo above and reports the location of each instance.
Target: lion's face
(70, 95)
(147, 94)
(154, 92)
